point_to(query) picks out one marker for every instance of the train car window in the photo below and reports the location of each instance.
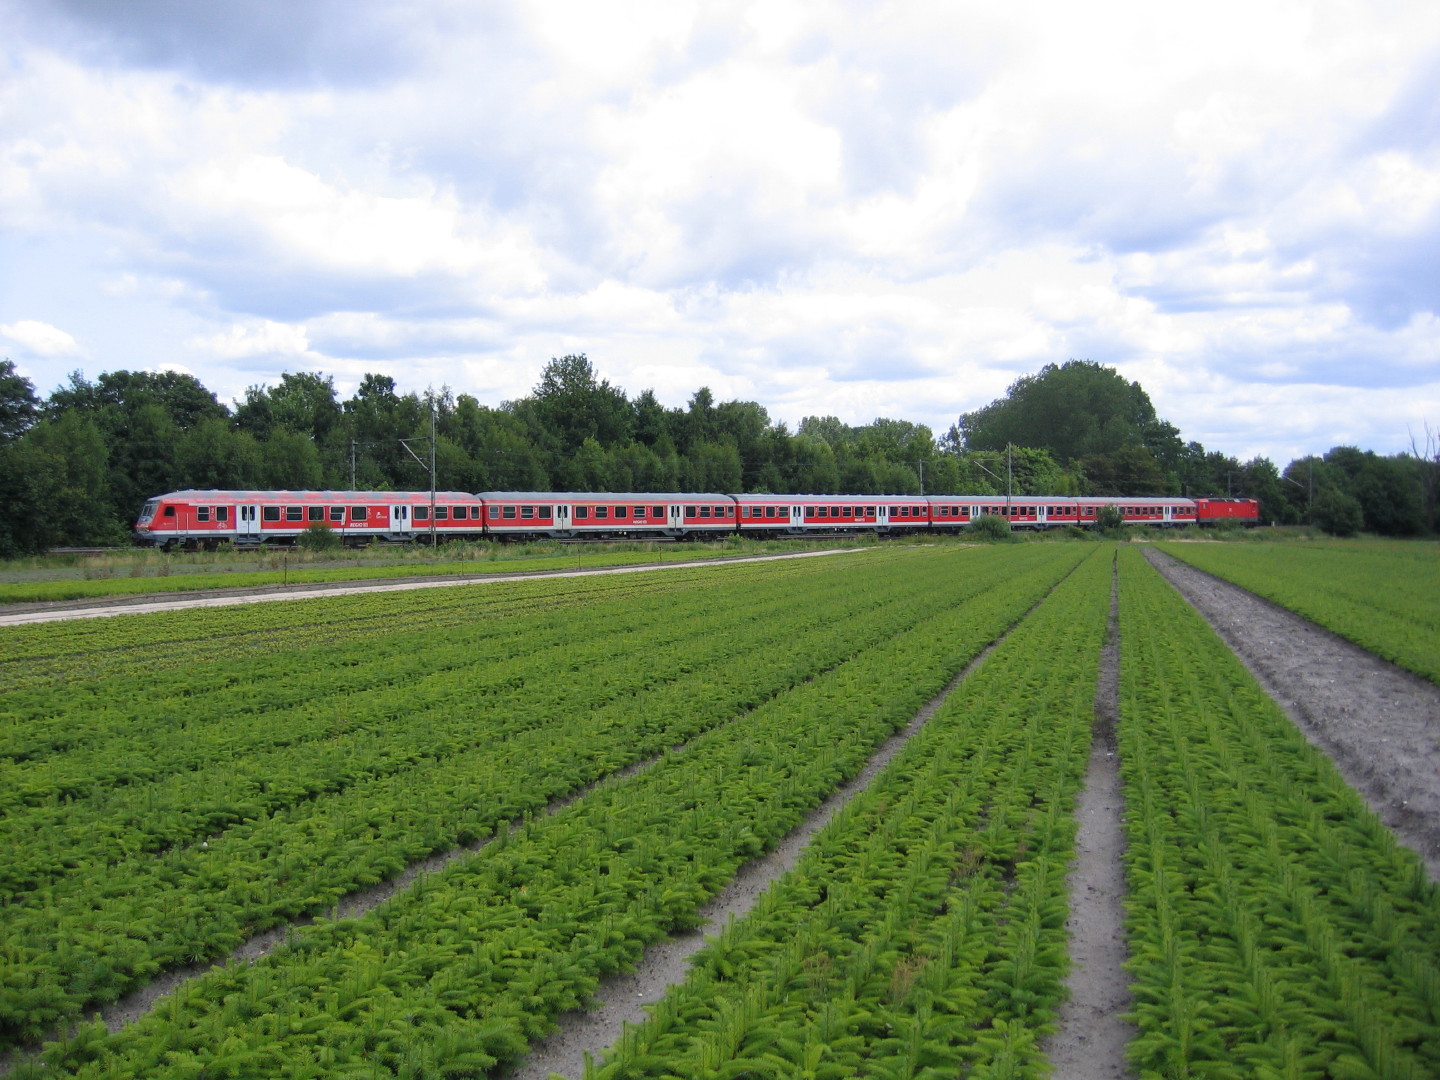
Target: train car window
(442, 513)
(704, 511)
(869, 511)
(769, 511)
(422, 513)
(315, 513)
(507, 512)
(358, 513)
(622, 513)
(222, 513)
(582, 513)
(690, 511)
(169, 512)
(270, 513)
(527, 512)
(544, 513)
(820, 511)
(294, 513)
(639, 511)
(202, 513)
(337, 513)
(602, 512)
(722, 511)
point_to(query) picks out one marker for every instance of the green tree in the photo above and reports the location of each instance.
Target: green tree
(61, 475)
(19, 407)
(1073, 410)
(570, 405)
(1337, 513)
(213, 454)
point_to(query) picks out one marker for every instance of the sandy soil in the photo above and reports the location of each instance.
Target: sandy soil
(1090, 1043)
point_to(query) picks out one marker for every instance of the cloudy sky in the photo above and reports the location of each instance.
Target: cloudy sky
(866, 209)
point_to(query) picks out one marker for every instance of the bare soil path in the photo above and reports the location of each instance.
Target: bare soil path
(1379, 723)
(1090, 1043)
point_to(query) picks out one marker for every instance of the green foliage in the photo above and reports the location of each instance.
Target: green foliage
(1073, 410)
(1276, 927)
(923, 931)
(1382, 595)
(318, 536)
(990, 528)
(1337, 513)
(400, 739)
(18, 404)
(1111, 522)
(1069, 429)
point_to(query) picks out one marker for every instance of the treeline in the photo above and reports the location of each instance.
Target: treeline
(76, 467)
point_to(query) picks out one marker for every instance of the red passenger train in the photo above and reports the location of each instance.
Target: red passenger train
(206, 518)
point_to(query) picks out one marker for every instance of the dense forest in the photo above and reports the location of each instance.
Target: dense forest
(76, 467)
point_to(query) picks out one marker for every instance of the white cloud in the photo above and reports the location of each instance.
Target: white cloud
(40, 338)
(259, 337)
(848, 209)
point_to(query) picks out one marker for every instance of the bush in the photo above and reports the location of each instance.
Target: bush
(319, 537)
(1109, 518)
(990, 528)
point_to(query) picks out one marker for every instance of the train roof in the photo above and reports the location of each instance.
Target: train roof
(826, 496)
(607, 496)
(243, 495)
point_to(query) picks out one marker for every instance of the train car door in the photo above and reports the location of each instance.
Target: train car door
(247, 521)
(400, 519)
(562, 516)
(797, 517)
(677, 516)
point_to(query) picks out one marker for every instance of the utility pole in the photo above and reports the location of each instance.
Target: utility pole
(432, 472)
(1009, 483)
(352, 464)
(406, 443)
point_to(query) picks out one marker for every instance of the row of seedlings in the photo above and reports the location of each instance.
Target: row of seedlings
(922, 934)
(1277, 928)
(460, 972)
(113, 921)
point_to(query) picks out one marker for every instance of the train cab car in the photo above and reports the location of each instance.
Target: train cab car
(518, 515)
(197, 518)
(1213, 511)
